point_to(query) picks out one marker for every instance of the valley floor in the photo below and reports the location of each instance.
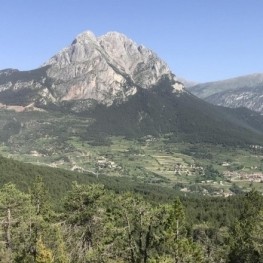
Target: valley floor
(190, 168)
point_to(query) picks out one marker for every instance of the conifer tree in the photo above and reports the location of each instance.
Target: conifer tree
(43, 255)
(15, 212)
(247, 233)
(179, 247)
(83, 217)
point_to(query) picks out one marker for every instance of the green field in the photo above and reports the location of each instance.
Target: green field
(148, 160)
(62, 140)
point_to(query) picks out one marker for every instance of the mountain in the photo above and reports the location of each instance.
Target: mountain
(158, 111)
(106, 69)
(187, 83)
(245, 91)
(112, 86)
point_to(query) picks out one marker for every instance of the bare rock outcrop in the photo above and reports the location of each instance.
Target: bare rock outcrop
(107, 68)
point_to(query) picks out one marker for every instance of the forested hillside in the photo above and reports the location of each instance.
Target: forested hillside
(91, 223)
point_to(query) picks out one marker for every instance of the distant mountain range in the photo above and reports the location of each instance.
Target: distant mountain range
(124, 89)
(245, 91)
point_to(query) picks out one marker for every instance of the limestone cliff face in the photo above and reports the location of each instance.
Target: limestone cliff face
(108, 69)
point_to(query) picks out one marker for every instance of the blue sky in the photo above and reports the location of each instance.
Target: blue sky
(201, 40)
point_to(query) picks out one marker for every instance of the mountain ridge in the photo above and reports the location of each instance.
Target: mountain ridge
(122, 65)
(123, 89)
(244, 91)
(107, 69)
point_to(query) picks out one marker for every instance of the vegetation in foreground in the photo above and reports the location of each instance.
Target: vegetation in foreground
(49, 218)
(98, 225)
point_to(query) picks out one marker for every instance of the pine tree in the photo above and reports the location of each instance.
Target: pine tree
(247, 233)
(84, 214)
(179, 247)
(15, 212)
(43, 254)
(58, 245)
(40, 223)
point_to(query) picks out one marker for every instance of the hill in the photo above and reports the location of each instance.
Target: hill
(244, 91)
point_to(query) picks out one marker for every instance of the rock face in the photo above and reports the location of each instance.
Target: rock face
(23, 88)
(108, 69)
(245, 91)
(119, 88)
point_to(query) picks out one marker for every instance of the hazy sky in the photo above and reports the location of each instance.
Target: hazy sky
(201, 40)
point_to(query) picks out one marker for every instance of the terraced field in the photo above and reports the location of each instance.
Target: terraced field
(62, 141)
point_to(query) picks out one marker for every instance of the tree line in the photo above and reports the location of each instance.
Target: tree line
(95, 224)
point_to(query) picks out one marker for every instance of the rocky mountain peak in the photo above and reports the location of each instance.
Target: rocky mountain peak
(84, 38)
(107, 68)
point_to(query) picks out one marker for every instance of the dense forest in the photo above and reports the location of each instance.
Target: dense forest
(54, 215)
(95, 224)
(184, 116)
